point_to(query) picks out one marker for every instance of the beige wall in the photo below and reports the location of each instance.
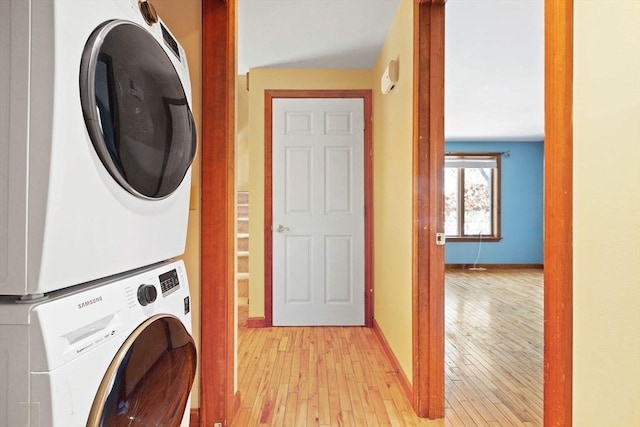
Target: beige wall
(606, 213)
(184, 20)
(261, 79)
(393, 179)
(242, 134)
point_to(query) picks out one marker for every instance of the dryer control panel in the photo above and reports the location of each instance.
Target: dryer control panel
(76, 321)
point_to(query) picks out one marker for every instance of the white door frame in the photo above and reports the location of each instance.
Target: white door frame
(368, 194)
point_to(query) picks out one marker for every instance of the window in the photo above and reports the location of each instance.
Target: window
(472, 196)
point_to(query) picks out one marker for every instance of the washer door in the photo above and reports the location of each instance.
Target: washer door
(149, 380)
(136, 110)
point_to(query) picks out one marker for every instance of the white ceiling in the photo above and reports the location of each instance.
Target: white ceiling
(494, 76)
(494, 70)
(312, 33)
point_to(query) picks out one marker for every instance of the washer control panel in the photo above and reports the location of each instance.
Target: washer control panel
(169, 282)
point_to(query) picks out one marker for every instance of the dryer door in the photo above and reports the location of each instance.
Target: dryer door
(149, 380)
(136, 110)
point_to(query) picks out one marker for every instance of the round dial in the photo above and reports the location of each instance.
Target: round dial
(148, 12)
(147, 294)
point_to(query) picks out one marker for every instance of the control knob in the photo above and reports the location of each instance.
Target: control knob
(148, 12)
(147, 294)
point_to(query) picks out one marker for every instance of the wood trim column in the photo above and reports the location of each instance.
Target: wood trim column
(558, 213)
(217, 214)
(428, 209)
(268, 208)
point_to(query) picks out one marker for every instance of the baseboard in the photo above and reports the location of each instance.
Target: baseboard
(194, 417)
(402, 377)
(494, 266)
(256, 322)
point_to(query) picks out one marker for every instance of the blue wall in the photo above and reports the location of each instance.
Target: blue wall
(521, 196)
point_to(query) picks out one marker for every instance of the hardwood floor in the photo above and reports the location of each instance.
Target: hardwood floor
(339, 376)
(493, 347)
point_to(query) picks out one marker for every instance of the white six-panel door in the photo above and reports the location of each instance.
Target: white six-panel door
(318, 211)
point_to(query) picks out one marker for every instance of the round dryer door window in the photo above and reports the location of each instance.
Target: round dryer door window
(149, 380)
(136, 110)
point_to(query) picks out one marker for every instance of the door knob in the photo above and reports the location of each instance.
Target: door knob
(281, 228)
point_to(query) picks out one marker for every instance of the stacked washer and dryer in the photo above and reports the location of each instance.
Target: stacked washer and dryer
(96, 144)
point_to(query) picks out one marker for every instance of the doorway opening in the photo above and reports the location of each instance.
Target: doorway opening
(217, 341)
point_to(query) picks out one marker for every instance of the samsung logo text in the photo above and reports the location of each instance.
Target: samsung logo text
(89, 302)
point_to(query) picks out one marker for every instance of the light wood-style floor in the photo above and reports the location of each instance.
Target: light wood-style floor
(339, 376)
(494, 348)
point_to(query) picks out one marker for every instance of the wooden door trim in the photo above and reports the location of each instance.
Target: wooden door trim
(217, 368)
(428, 355)
(558, 214)
(368, 191)
(217, 346)
(428, 210)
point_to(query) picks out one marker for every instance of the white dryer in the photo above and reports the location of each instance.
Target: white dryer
(110, 353)
(96, 142)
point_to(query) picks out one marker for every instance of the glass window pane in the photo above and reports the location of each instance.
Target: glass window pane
(477, 201)
(145, 134)
(451, 205)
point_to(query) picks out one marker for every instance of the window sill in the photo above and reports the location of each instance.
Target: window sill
(472, 239)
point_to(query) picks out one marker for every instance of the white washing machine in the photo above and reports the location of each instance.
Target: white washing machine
(96, 142)
(110, 353)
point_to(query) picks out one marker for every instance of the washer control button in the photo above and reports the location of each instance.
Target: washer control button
(148, 12)
(147, 294)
